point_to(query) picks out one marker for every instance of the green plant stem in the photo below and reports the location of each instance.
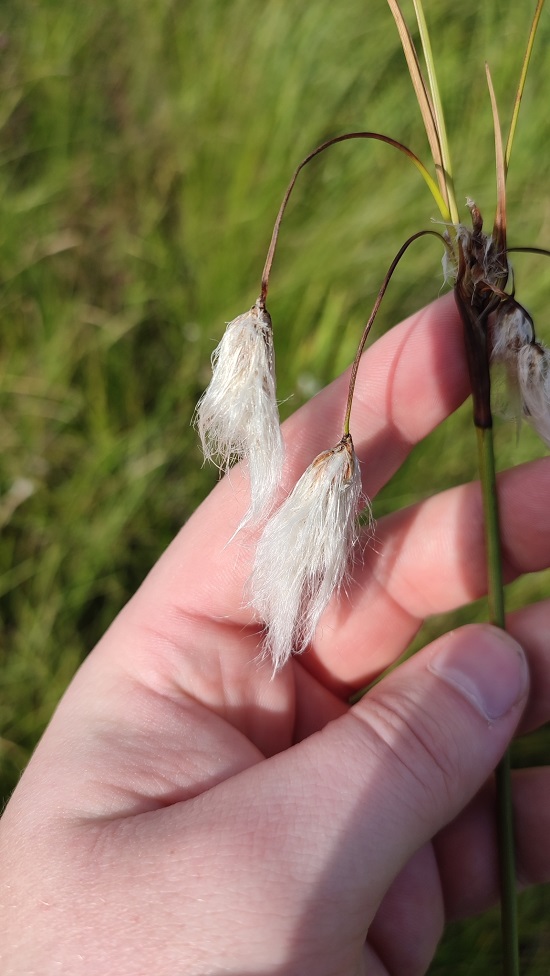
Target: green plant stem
(486, 458)
(439, 117)
(505, 824)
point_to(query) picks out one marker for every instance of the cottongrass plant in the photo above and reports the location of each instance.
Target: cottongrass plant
(307, 544)
(237, 417)
(305, 549)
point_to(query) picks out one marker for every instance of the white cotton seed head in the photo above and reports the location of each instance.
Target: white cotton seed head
(533, 371)
(305, 550)
(511, 330)
(237, 417)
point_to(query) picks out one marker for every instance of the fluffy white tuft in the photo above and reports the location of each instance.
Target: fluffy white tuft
(511, 330)
(304, 551)
(533, 370)
(527, 364)
(237, 416)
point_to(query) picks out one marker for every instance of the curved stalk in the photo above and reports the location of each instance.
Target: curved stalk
(528, 250)
(373, 314)
(430, 182)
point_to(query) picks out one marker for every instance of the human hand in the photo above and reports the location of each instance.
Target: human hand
(187, 813)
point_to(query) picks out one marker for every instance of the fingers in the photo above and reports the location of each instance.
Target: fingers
(467, 849)
(430, 559)
(531, 628)
(458, 875)
(182, 744)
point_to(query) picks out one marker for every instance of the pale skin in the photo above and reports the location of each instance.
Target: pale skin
(185, 813)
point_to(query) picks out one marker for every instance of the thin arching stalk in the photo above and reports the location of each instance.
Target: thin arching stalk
(373, 314)
(529, 250)
(346, 137)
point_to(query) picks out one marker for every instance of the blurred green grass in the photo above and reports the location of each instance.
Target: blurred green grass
(144, 150)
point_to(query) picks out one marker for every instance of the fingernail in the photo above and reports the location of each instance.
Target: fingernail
(485, 665)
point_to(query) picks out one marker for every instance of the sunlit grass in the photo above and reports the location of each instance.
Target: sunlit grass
(144, 150)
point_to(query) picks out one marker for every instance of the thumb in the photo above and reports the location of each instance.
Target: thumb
(347, 809)
(424, 741)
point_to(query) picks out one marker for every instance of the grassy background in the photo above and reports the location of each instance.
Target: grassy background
(144, 149)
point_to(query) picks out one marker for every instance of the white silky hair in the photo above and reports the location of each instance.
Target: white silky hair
(533, 370)
(527, 364)
(237, 417)
(512, 329)
(305, 550)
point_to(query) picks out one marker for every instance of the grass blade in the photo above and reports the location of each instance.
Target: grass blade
(500, 215)
(437, 107)
(422, 96)
(521, 85)
(355, 365)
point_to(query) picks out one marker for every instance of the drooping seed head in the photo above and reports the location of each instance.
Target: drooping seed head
(305, 550)
(512, 328)
(533, 368)
(237, 417)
